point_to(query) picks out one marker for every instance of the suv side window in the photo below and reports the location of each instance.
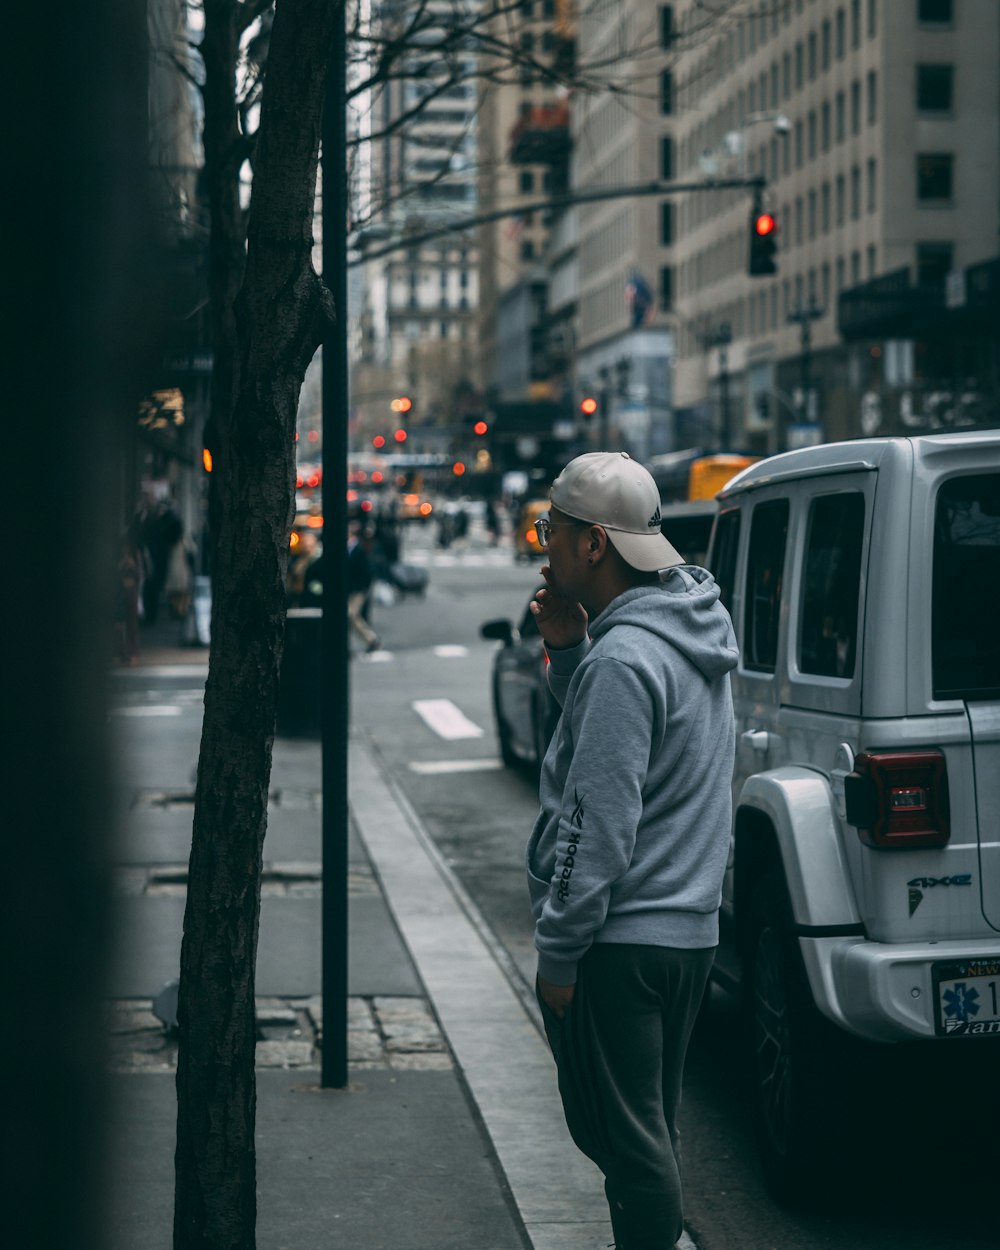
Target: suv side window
(831, 585)
(765, 571)
(725, 545)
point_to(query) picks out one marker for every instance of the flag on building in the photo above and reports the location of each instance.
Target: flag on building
(639, 299)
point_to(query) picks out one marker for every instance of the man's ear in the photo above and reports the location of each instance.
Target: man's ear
(597, 541)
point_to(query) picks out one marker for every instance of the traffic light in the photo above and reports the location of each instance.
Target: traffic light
(403, 404)
(480, 428)
(763, 243)
(588, 406)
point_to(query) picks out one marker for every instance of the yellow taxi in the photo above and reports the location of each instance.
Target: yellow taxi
(525, 538)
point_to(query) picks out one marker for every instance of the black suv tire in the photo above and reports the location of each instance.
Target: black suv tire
(798, 1056)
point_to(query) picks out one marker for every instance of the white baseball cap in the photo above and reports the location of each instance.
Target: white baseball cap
(610, 489)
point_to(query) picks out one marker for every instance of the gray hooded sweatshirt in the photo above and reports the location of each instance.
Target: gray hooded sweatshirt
(632, 838)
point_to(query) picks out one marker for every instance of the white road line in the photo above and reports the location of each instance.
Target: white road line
(435, 768)
(446, 719)
(455, 652)
(150, 709)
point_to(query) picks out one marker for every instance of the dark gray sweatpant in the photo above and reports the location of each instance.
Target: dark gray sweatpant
(620, 1054)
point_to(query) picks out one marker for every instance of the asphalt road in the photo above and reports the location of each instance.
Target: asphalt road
(921, 1168)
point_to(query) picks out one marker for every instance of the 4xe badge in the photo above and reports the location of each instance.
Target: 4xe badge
(917, 886)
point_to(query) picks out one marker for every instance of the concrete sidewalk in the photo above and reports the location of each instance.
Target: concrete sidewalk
(450, 1134)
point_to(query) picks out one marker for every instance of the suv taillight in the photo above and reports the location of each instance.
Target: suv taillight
(899, 799)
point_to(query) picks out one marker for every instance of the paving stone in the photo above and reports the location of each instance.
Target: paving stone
(284, 1054)
(271, 1013)
(410, 1062)
(364, 1047)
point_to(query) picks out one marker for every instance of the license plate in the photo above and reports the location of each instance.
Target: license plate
(967, 998)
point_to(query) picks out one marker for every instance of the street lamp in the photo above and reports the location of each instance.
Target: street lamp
(721, 337)
(734, 141)
(803, 315)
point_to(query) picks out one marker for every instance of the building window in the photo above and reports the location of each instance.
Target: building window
(872, 18)
(443, 329)
(824, 125)
(527, 180)
(798, 145)
(934, 88)
(812, 55)
(856, 107)
(934, 12)
(934, 263)
(872, 185)
(825, 285)
(825, 41)
(825, 207)
(666, 158)
(871, 260)
(855, 23)
(798, 219)
(786, 153)
(666, 288)
(666, 25)
(666, 224)
(812, 134)
(841, 199)
(872, 97)
(841, 273)
(666, 92)
(855, 192)
(934, 176)
(799, 65)
(840, 127)
(786, 76)
(774, 85)
(841, 35)
(812, 214)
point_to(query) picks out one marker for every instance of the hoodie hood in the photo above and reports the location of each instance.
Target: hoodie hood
(685, 610)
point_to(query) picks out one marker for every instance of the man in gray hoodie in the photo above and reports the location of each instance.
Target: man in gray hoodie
(626, 859)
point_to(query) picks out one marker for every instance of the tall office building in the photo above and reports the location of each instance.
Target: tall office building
(875, 124)
(418, 304)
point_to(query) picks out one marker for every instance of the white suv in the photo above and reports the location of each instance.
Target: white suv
(863, 892)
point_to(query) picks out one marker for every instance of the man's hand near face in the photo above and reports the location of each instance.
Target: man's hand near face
(562, 622)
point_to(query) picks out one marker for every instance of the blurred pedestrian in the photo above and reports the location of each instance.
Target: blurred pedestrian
(492, 520)
(126, 616)
(179, 581)
(307, 552)
(360, 575)
(626, 859)
(161, 529)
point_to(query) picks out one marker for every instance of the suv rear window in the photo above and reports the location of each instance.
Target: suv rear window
(828, 637)
(966, 658)
(765, 569)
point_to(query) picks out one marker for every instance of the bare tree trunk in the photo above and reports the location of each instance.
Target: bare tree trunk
(281, 314)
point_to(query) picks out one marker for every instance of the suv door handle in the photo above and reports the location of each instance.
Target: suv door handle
(756, 739)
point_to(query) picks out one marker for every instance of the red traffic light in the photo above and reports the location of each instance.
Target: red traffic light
(480, 427)
(765, 224)
(403, 404)
(378, 441)
(588, 406)
(400, 436)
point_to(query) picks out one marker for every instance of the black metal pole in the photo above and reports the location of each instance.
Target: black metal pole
(724, 397)
(334, 675)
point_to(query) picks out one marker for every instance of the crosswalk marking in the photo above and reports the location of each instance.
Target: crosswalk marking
(149, 709)
(437, 768)
(447, 720)
(451, 652)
